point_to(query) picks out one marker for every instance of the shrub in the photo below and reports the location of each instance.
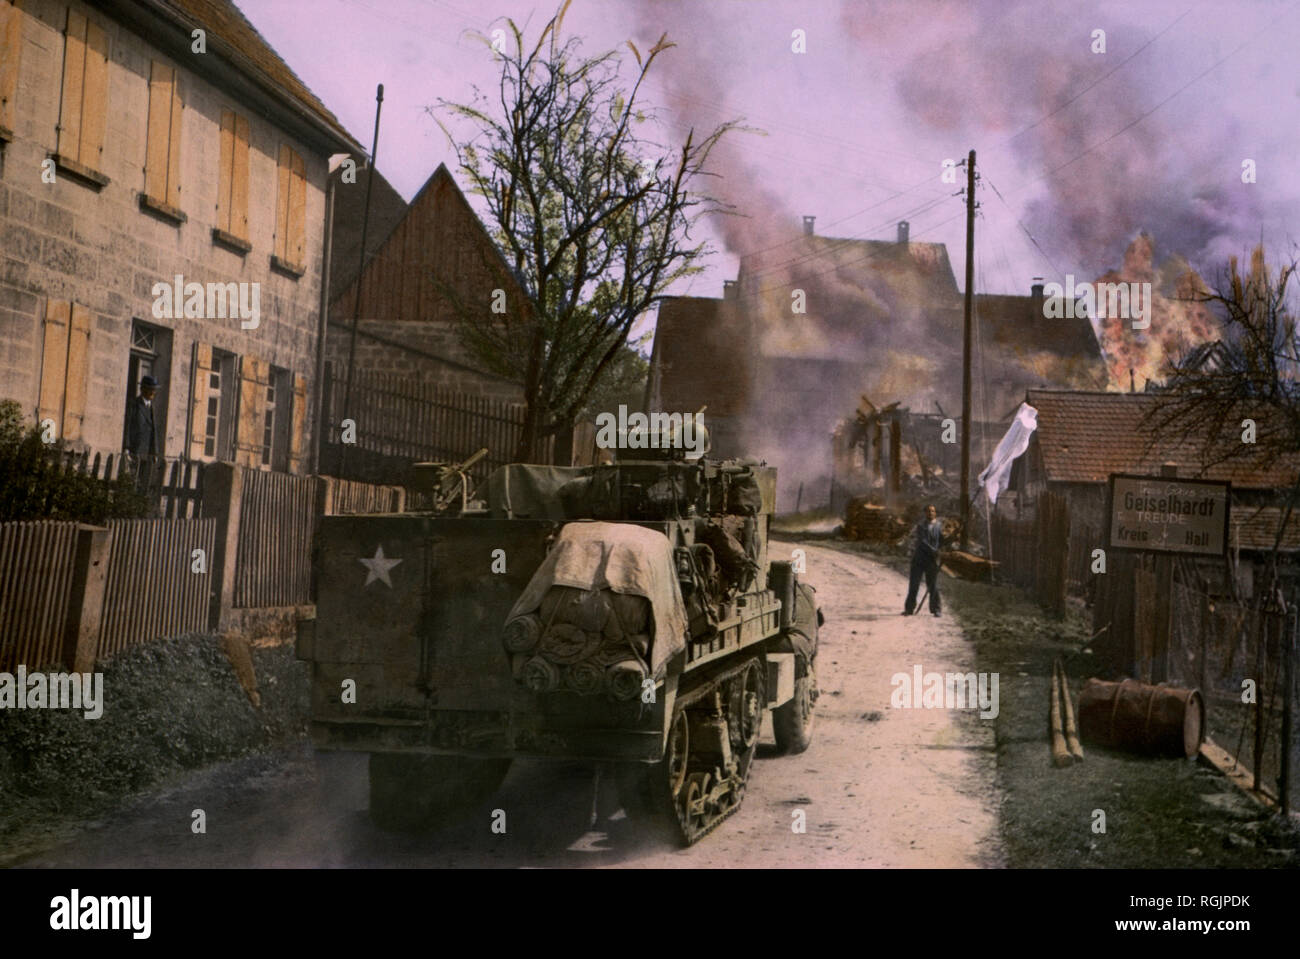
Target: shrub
(33, 485)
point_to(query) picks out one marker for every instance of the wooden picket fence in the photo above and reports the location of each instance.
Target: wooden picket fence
(340, 497)
(1078, 564)
(156, 585)
(37, 564)
(400, 421)
(1034, 554)
(276, 522)
(162, 575)
(174, 487)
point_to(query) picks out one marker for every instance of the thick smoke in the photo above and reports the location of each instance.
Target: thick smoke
(983, 74)
(988, 71)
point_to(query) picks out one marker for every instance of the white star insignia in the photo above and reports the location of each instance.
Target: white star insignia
(378, 568)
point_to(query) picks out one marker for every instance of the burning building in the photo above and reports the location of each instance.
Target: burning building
(813, 324)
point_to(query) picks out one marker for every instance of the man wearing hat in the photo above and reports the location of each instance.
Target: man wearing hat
(141, 421)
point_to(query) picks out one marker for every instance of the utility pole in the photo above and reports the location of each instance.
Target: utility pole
(361, 268)
(965, 352)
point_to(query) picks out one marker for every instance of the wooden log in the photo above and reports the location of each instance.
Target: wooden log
(1060, 753)
(1071, 732)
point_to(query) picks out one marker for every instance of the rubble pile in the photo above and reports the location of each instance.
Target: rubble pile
(864, 520)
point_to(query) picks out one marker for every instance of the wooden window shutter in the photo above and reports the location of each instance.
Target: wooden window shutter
(232, 196)
(94, 104)
(285, 175)
(174, 147)
(84, 104)
(298, 427)
(297, 242)
(239, 181)
(74, 397)
(74, 68)
(254, 376)
(225, 173)
(11, 45)
(199, 370)
(163, 153)
(54, 361)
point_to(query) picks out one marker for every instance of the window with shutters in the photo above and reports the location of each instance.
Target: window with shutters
(11, 45)
(83, 104)
(232, 188)
(65, 361)
(162, 164)
(290, 254)
(214, 389)
(275, 420)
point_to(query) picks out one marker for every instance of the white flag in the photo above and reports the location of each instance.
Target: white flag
(996, 475)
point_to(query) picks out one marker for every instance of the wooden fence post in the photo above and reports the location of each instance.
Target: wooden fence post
(325, 487)
(86, 598)
(1288, 710)
(223, 487)
(1261, 640)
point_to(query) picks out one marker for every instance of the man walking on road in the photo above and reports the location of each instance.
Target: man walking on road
(925, 561)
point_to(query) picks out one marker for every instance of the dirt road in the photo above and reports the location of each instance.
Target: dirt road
(880, 786)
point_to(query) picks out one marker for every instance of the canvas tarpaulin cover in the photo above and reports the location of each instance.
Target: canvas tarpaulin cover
(624, 558)
(526, 491)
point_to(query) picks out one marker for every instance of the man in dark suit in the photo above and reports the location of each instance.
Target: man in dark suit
(142, 435)
(925, 561)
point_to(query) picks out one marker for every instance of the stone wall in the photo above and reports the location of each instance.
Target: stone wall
(68, 241)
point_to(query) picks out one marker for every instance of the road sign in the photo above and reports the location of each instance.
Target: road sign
(1161, 514)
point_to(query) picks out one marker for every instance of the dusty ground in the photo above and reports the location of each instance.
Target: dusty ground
(879, 786)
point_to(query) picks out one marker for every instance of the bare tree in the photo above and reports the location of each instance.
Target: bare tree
(594, 218)
(1252, 372)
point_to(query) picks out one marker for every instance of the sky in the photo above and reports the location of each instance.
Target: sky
(1078, 149)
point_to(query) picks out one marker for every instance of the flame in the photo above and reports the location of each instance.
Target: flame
(1177, 323)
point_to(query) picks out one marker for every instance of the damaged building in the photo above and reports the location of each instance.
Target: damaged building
(812, 326)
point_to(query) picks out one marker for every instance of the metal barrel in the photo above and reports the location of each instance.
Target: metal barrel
(1156, 720)
(781, 581)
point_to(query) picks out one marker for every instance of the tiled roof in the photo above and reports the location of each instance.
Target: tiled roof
(387, 208)
(1256, 528)
(852, 286)
(1010, 322)
(1086, 436)
(222, 19)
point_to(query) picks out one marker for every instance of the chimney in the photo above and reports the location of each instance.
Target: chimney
(728, 289)
(808, 222)
(1036, 298)
(902, 231)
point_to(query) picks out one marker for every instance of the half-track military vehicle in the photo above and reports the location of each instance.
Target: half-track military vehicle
(626, 614)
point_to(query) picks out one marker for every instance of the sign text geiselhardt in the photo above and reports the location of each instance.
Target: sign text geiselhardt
(1167, 515)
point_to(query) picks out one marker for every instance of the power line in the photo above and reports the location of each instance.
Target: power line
(1212, 67)
(1103, 77)
(1020, 223)
(719, 107)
